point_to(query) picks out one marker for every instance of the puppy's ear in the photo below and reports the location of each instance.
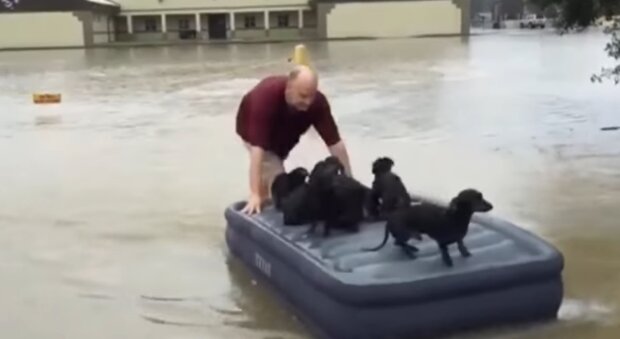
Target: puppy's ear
(375, 167)
(452, 207)
(455, 205)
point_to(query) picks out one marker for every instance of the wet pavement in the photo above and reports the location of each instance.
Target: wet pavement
(111, 208)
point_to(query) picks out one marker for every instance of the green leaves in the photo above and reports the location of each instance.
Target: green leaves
(579, 14)
(613, 51)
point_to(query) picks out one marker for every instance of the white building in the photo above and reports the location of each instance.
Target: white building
(85, 23)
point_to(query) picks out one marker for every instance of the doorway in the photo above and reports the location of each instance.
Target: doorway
(217, 26)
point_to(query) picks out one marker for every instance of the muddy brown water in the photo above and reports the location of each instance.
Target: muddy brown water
(111, 204)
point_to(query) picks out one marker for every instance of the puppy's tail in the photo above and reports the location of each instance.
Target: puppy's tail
(385, 238)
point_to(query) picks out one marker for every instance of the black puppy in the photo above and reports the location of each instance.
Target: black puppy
(445, 226)
(400, 233)
(325, 169)
(306, 204)
(285, 183)
(298, 208)
(338, 199)
(345, 204)
(388, 192)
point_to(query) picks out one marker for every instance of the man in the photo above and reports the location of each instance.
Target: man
(271, 119)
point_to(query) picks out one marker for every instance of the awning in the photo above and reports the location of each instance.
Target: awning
(106, 6)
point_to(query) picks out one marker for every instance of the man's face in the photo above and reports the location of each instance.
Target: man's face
(299, 95)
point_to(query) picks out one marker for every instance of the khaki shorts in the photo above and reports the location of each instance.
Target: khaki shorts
(272, 166)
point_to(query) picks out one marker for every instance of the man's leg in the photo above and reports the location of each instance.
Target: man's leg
(272, 166)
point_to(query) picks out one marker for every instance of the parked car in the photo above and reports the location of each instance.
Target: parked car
(533, 21)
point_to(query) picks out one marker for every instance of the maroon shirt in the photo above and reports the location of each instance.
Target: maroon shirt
(265, 119)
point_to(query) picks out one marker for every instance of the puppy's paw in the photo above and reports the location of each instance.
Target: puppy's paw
(445, 257)
(464, 251)
(409, 250)
(410, 253)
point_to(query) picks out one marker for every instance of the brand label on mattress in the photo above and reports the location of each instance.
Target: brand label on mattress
(262, 264)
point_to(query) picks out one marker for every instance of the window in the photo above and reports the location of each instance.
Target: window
(150, 25)
(283, 20)
(183, 24)
(249, 21)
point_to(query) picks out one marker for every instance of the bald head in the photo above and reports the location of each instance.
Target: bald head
(301, 87)
(304, 75)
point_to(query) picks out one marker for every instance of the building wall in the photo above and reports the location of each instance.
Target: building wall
(173, 22)
(103, 28)
(137, 5)
(258, 18)
(332, 19)
(293, 18)
(139, 9)
(97, 27)
(147, 28)
(249, 33)
(406, 18)
(310, 33)
(112, 28)
(310, 19)
(148, 37)
(42, 29)
(285, 33)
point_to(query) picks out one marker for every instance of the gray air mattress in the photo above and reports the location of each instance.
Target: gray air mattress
(342, 292)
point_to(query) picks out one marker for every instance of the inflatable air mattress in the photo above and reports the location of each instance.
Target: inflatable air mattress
(342, 292)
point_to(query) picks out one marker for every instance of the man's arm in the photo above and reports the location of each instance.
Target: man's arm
(256, 198)
(258, 129)
(328, 130)
(256, 159)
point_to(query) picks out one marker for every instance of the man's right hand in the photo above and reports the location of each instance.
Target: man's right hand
(253, 205)
(256, 199)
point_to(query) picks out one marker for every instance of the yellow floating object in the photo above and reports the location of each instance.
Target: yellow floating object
(46, 98)
(300, 56)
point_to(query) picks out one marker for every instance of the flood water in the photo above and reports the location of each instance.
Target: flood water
(111, 203)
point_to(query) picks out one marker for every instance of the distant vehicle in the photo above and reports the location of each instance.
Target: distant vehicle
(605, 22)
(533, 21)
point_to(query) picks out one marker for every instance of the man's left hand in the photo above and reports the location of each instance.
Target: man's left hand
(339, 150)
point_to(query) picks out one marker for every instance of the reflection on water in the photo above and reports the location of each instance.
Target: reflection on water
(111, 210)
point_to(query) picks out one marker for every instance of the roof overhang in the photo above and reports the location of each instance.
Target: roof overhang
(19, 6)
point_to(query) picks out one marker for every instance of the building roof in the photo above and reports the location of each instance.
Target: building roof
(107, 6)
(104, 2)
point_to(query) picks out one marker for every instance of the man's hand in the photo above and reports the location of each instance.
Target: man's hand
(253, 205)
(339, 150)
